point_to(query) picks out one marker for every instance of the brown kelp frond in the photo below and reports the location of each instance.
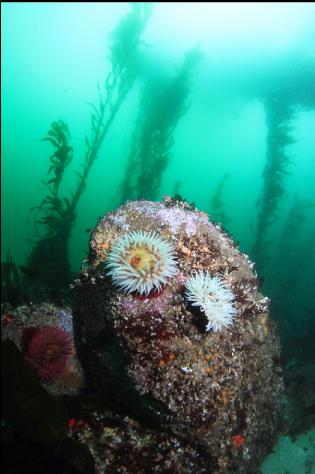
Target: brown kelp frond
(126, 36)
(53, 210)
(164, 101)
(217, 211)
(58, 137)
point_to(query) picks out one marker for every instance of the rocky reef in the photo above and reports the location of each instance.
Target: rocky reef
(153, 354)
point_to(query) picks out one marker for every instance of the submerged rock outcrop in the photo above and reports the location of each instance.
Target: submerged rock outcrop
(151, 352)
(44, 335)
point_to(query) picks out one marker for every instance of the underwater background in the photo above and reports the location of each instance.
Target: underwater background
(211, 103)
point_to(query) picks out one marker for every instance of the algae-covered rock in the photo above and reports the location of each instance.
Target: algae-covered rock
(147, 346)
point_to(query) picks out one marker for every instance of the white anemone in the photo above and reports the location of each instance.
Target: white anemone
(213, 298)
(141, 261)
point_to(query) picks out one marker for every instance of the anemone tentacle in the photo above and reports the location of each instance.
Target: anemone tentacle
(213, 298)
(141, 261)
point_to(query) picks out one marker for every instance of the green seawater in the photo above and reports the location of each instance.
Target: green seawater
(236, 131)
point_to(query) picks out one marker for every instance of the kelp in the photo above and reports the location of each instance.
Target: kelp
(47, 271)
(290, 280)
(58, 137)
(286, 260)
(295, 220)
(288, 257)
(48, 263)
(54, 210)
(125, 58)
(164, 102)
(284, 88)
(217, 210)
(279, 115)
